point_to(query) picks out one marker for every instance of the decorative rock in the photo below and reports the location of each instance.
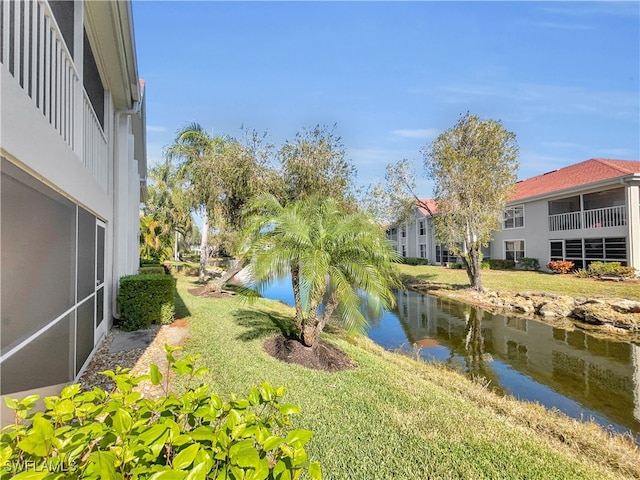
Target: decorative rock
(625, 306)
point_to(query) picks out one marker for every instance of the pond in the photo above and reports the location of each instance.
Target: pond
(578, 373)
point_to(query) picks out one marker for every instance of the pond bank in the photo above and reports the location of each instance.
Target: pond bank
(613, 316)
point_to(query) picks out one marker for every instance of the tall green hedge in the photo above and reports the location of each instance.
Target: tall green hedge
(146, 299)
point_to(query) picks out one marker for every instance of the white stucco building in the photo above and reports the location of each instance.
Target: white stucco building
(586, 212)
(73, 169)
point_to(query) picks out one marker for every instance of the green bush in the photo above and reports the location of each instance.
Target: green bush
(528, 263)
(485, 265)
(156, 270)
(146, 299)
(415, 261)
(610, 269)
(498, 264)
(455, 265)
(121, 435)
(149, 262)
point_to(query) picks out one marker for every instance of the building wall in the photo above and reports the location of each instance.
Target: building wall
(537, 234)
(413, 239)
(70, 191)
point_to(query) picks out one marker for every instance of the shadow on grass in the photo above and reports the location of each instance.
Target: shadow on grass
(262, 324)
(181, 309)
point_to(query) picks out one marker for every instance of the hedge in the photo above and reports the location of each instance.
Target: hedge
(156, 270)
(498, 264)
(414, 261)
(146, 299)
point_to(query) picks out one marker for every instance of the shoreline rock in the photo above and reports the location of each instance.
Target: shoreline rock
(616, 316)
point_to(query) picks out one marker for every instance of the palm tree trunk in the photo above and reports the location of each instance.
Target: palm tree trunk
(216, 284)
(295, 282)
(203, 245)
(176, 256)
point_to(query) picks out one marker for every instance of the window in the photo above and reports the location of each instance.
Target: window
(584, 251)
(46, 342)
(513, 217)
(404, 250)
(615, 248)
(423, 250)
(403, 232)
(392, 233)
(514, 250)
(421, 227)
(556, 250)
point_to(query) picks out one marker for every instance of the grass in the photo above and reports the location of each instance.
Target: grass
(522, 281)
(394, 417)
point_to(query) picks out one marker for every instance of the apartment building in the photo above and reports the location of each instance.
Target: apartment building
(73, 171)
(585, 212)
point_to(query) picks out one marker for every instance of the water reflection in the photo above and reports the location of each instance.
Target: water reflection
(571, 370)
(578, 373)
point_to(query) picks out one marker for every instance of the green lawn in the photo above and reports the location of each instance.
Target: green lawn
(393, 417)
(522, 281)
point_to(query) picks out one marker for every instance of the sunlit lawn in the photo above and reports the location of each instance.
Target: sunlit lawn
(393, 417)
(522, 281)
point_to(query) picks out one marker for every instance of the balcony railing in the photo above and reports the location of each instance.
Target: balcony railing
(95, 148)
(34, 53)
(596, 218)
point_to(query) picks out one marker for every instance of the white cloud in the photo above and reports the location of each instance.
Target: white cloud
(419, 134)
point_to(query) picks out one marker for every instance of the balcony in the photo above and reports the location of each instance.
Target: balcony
(588, 219)
(33, 51)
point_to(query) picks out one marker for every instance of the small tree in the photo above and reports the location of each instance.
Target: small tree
(338, 261)
(474, 167)
(314, 163)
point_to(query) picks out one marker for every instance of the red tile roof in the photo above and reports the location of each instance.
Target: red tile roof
(583, 173)
(430, 203)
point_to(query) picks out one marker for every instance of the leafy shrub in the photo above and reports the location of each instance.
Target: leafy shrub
(415, 261)
(582, 273)
(121, 435)
(485, 265)
(158, 270)
(610, 269)
(146, 299)
(528, 263)
(498, 264)
(149, 262)
(454, 265)
(560, 266)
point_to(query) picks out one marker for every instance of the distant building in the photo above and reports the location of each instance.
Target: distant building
(586, 212)
(73, 170)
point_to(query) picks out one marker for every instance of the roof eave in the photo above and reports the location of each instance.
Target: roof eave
(630, 178)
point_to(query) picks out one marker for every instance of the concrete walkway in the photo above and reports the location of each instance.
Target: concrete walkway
(131, 340)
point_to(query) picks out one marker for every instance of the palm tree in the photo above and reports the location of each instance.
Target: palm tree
(338, 261)
(155, 242)
(194, 147)
(166, 200)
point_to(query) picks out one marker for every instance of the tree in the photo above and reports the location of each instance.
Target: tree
(167, 202)
(155, 239)
(474, 167)
(394, 201)
(314, 163)
(193, 147)
(338, 260)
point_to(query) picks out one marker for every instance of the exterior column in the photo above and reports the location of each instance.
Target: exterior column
(121, 203)
(633, 223)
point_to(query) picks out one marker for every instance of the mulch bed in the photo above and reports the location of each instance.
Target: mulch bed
(322, 356)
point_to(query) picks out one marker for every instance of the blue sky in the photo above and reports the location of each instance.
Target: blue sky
(563, 76)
